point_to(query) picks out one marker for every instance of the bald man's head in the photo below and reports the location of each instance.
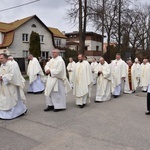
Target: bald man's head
(102, 60)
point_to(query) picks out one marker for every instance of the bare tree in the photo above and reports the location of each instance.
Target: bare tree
(126, 23)
(78, 11)
(135, 27)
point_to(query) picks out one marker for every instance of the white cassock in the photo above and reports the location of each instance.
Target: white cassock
(145, 76)
(82, 82)
(17, 69)
(93, 67)
(70, 69)
(136, 72)
(103, 92)
(57, 84)
(12, 97)
(36, 76)
(118, 70)
(135, 76)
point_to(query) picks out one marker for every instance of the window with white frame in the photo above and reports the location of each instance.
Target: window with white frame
(25, 37)
(41, 38)
(25, 53)
(44, 55)
(58, 42)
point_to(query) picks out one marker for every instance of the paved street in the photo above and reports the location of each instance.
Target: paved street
(119, 124)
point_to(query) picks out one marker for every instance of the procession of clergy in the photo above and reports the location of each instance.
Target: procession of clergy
(110, 79)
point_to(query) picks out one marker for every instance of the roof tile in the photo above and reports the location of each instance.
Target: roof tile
(57, 33)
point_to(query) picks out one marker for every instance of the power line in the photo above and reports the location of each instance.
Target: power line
(19, 5)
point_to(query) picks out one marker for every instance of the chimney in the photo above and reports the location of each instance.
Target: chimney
(63, 32)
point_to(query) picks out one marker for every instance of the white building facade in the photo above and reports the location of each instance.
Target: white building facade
(18, 45)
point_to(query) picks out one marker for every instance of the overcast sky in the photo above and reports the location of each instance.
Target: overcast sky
(51, 12)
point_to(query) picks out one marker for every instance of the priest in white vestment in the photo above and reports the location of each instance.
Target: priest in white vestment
(145, 75)
(137, 71)
(82, 82)
(103, 92)
(70, 69)
(57, 84)
(93, 67)
(132, 78)
(118, 75)
(12, 98)
(36, 76)
(16, 67)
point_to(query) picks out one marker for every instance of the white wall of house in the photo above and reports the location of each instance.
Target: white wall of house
(1, 37)
(18, 46)
(94, 44)
(90, 58)
(91, 45)
(88, 44)
(73, 47)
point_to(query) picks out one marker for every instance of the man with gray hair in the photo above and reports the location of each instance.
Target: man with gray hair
(144, 75)
(36, 76)
(93, 67)
(70, 69)
(118, 75)
(102, 72)
(12, 98)
(57, 84)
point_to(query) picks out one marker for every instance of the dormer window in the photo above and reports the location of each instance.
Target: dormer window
(33, 25)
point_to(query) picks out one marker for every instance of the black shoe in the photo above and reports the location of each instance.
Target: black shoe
(38, 92)
(115, 96)
(81, 106)
(49, 108)
(98, 101)
(57, 110)
(26, 111)
(144, 91)
(30, 92)
(147, 113)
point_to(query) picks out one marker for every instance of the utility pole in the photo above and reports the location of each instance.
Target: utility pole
(80, 28)
(103, 17)
(119, 27)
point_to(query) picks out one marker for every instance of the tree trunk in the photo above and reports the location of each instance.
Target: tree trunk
(108, 48)
(84, 24)
(80, 28)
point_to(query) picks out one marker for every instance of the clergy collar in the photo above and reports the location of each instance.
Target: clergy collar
(118, 60)
(81, 61)
(57, 57)
(5, 63)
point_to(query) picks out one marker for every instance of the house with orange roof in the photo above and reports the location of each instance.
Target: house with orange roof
(15, 36)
